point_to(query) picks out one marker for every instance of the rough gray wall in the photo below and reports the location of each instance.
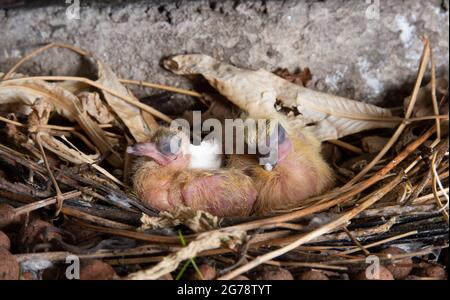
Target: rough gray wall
(360, 49)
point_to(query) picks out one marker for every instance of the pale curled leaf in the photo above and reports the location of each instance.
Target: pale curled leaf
(75, 87)
(15, 101)
(94, 106)
(258, 92)
(41, 110)
(204, 241)
(61, 150)
(90, 161)
(130, 115)
(196, 220)
(40, 114)
(333, 128)
(65, 103)
(28, 91)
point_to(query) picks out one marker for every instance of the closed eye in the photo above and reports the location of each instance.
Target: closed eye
(170, 146)
(281, 134)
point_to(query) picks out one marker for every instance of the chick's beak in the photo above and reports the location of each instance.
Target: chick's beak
(150, 150)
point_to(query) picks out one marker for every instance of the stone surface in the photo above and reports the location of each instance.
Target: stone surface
(366, 50)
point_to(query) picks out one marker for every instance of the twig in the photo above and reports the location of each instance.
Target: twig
(347, 146)
(312, 265)
(397, 237)
(161, 87)
(70, 211)
(427, 197)
(371, 199)
(344, 196)
(157, 239)
(440, 152)
(6, 120)
(433, 95)
(40, 50)
(366, 252)
(128, 99)
(401, 127)
(59, 197)
(434, 188)
(93, 164)
(392, 256)
(42, 203)
(62, 255)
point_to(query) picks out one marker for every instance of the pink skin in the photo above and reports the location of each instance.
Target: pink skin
(211, 183)
(150, 150)
(158, 194)
(284, 149)
(222, 193)
(296, 176)
(157, 187)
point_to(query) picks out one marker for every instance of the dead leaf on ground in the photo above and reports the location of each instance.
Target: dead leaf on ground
(130, 115)
(94, 106)
(196, 220)
(258, 92)
(204, 241)
(64, 103)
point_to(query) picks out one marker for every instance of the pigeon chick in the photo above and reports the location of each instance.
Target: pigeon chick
(299, 171)
(164, 179)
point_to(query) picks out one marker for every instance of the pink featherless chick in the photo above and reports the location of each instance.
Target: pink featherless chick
(297, 172)
(165, 178)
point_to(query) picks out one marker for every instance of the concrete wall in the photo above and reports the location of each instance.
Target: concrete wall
(366, 50)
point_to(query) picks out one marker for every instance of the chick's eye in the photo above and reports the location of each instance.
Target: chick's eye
(170, 146)
(281, 134)
(164, 148)
(276, 136)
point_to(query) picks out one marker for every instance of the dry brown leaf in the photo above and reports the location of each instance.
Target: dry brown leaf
(41, 110)
(89, 160)
(130, 115)
(94, 106)
(61, 150)
(13, 103)
(204, 241)
(75, 87)
(65, 103)
(196, 220)
(258, 92)
(219, 109)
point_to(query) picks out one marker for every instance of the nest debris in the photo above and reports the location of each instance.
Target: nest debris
(64, 190)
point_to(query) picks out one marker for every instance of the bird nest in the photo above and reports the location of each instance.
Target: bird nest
(65, 190)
